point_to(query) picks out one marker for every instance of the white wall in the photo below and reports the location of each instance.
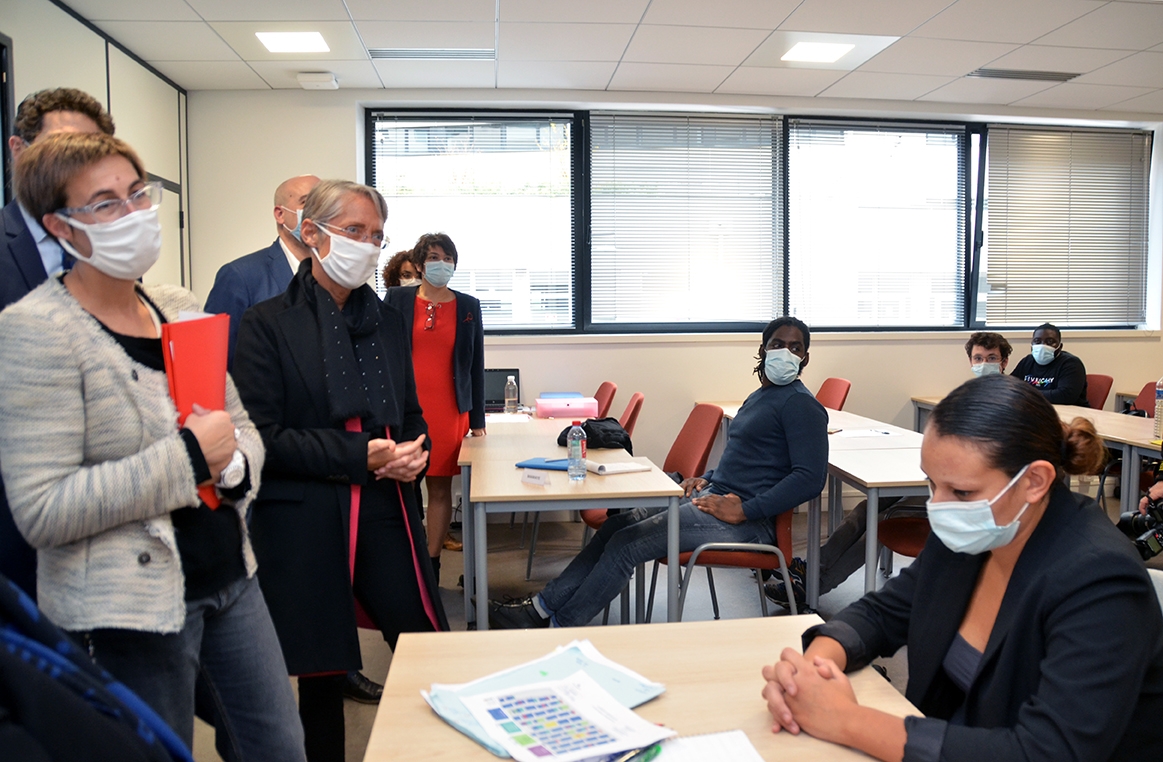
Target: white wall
(52, 49)
(243, 144)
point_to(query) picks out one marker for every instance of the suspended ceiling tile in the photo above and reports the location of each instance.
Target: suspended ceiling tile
(212, 75)
(981, 90)
(281, 75)
(263, 10)
(339, 35)
(752, 80)
(1018, 21)
(668, 78)
(134, 10)
(423, 10)
(1125, 26)
(882, 86)
(880, 17)
(742, 14)
(170, 40)
(590, 11)
(1151, 103)
(427, 34)
(437, 74)
(1053, 58)
(555, 75)
(692, 45)
(1071, 95)
(1138, 70)
(949, 58)
(563, 42)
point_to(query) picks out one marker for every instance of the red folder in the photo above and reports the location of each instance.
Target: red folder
(195, 357)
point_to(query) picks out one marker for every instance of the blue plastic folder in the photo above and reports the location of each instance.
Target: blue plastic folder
(546, 464)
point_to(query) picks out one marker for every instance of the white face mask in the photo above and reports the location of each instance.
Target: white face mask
(1043, 354)
(439, 273)
(125, 248)
(409, 281)
(349, 263)
(781, 367)
(986, 369)
(969, 527)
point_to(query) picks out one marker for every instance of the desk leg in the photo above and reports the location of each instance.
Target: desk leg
(481, 521)
(1129, 481)
(815, 506)
(640, 594)
(467, 532)
(871, 544)
(672, 570)
(835, 504)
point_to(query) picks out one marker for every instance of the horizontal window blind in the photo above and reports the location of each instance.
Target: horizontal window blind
(502, 188)
(876, 224)
(685, 219)
(1066, 226)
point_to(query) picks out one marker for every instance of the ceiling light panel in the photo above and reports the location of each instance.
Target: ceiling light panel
(293, 42)
(817, 52)
(860, 48)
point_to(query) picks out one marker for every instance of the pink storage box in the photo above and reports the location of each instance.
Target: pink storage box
(575, 408)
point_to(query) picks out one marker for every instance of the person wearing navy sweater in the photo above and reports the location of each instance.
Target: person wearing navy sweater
(1057, 374)
(775, 459)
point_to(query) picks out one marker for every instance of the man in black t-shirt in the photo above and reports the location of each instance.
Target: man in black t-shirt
(1059, 375)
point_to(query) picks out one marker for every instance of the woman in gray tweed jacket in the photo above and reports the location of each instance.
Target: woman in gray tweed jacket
(103, 483)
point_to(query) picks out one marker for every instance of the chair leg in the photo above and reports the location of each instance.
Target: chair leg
(650, 600)
(886, 561)
(587, 535)
(714, 598)
(524, 526)
(606, 615)
(624, 604)
(762, 595)
(532, 545)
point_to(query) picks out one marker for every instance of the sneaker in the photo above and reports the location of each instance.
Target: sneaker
(359, 688)
(515, 614)
(774, 587)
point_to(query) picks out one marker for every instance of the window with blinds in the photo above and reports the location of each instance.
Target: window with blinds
(1065, 227)
(876, 224)
(502, 187)
(685, 220)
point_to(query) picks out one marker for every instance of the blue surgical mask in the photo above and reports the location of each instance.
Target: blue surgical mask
(986, 369)
(297, 232)
(969, 527)
(1043, 353)
(781, 367)
(439, 273)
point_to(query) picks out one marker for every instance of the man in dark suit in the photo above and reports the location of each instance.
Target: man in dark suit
(256, 277)
(29, 255)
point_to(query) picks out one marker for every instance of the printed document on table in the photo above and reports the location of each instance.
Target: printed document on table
(733, 745)
(561, 721)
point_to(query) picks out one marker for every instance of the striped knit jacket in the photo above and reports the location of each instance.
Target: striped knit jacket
(93, 464)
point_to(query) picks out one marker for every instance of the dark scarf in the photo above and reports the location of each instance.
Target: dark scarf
(353, 360)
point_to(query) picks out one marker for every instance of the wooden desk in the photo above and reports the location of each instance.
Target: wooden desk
(711, 671)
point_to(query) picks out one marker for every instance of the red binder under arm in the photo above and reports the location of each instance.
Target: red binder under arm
(195, 357)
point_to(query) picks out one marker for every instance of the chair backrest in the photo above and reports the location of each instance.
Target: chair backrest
(630, 416)
(1146, 399)
(833, 392)
(688, 455)
(1098, 388)
(605, 396)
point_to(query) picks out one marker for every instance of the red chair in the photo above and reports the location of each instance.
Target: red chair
(605, 396)
(902, 529)
(1098, 388)
(630, 415)
(833, 392)
(1146, 399)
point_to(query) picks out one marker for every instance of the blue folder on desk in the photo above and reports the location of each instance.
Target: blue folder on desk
(546, 464)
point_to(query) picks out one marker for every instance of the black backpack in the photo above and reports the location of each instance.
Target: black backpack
(602, 433)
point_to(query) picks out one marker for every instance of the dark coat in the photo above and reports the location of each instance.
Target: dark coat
(299, 526)
(1062, 381)
(1073, 669)
(246, 281)
(21, 270)
(468, 355)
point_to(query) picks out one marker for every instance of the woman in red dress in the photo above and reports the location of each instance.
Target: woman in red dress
(448, 354)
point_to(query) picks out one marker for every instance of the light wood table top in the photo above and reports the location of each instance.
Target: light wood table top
(514, 441)
(500, 481)
(1112, 426)
(879, 468)
(898, 438)
(711, 671)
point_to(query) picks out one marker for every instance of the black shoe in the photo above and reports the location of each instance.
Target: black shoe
(358, 688)
(775, 590)
(517, 614)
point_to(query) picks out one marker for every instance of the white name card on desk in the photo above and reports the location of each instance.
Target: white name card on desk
(540, 478)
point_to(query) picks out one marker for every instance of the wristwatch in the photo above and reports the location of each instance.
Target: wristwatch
(234, 472)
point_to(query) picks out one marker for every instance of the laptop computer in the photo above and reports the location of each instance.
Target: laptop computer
(495, 379)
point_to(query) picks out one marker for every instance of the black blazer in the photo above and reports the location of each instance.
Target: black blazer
(299, 524)
(21, 270)
(468, 356)
(1073, 669)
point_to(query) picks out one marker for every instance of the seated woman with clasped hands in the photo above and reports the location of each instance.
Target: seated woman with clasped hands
(1033, 630)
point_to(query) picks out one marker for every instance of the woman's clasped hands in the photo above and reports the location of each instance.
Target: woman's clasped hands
(809, 693)
(402, 461)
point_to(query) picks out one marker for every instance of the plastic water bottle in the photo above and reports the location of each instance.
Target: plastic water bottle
(575, 442)
(511, 395)
(1159, 409)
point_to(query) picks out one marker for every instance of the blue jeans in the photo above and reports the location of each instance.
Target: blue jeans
(604, 566)
(229, 642)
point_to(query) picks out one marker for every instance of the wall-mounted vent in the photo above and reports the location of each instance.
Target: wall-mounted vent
(1039, 76)
(434, 54)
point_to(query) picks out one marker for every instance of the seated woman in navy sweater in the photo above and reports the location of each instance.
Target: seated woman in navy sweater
(1033, 630)
(775, 459)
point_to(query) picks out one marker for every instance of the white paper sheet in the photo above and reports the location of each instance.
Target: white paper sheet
(733, 745)
(853, 433)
